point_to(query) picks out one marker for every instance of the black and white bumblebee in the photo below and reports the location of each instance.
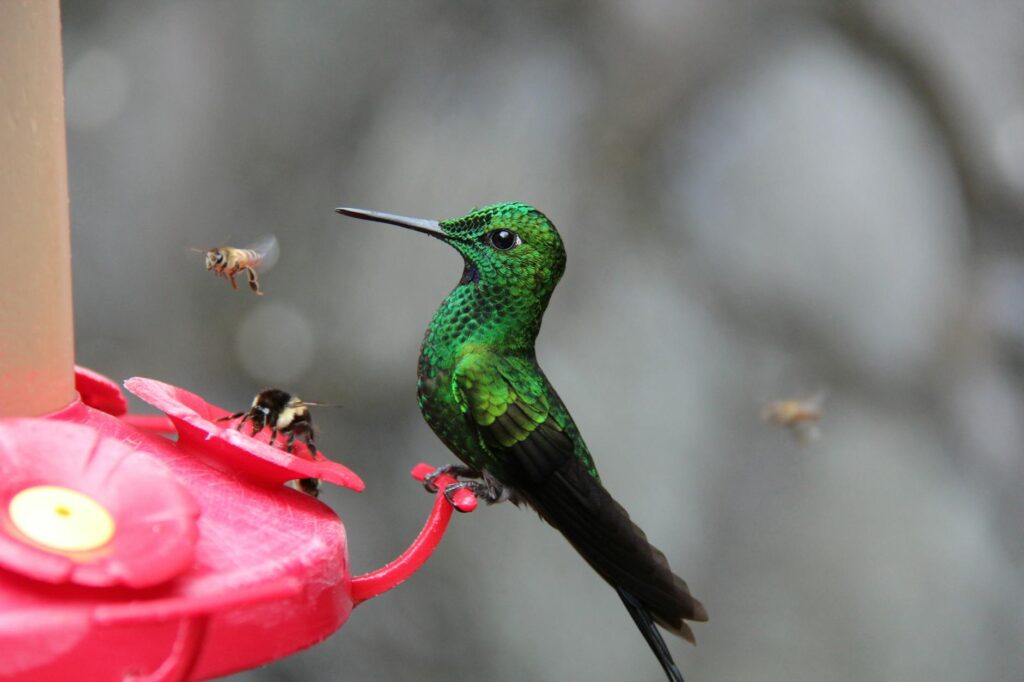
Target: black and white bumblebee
(286, 414)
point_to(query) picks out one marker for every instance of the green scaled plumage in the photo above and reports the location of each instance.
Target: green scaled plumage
(482, 392)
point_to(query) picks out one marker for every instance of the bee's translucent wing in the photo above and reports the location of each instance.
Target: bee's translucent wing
(817, 399)
(267, 250)
(806, 432)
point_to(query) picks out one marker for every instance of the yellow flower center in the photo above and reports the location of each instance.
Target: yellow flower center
(61, 518)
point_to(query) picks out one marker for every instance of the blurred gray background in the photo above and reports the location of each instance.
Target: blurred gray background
(759, 200)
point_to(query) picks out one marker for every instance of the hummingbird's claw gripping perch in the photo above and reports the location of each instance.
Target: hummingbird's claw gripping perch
(482, 490)
(462, 500)
(454, 470)
(452, 489)
(428, 480)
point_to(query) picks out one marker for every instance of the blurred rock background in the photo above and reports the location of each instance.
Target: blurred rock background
(759, 200)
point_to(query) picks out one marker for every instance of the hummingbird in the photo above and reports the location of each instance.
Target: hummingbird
(482, 392)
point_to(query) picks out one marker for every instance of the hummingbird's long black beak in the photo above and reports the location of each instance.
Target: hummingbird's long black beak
(423, 225)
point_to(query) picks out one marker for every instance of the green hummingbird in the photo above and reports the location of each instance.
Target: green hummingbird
(482, 392)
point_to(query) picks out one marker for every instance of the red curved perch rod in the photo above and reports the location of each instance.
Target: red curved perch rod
(377, 582)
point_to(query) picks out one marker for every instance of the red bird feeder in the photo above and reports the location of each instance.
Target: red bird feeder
(125, 555)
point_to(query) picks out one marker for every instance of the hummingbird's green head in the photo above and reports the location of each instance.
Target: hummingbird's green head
(509, 246)
(513, 260)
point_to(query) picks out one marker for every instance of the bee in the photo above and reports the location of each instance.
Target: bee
(285, 414)
(799, 416)
(228, 261)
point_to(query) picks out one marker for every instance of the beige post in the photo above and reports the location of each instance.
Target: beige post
(36, 334)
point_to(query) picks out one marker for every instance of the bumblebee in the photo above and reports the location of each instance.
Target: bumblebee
(286, 414)
(228, 261)
(800, 416)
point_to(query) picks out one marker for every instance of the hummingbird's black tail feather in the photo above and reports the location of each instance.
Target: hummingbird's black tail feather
(576, 503)
(643, 620)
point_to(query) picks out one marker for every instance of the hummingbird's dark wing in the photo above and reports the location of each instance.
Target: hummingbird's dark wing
(536, 450)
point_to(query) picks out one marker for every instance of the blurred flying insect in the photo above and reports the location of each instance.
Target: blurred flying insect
(801, 417)
(286, 414)
(228, 261)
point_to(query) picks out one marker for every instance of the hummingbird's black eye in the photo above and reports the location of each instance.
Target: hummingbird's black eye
(503, 240)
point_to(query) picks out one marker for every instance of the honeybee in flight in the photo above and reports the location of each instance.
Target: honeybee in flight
(286, 414)
(802, 417)
(228, 261)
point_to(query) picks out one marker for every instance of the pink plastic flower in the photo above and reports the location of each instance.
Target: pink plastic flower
(77, 507)
(232, 451)
(100, 392)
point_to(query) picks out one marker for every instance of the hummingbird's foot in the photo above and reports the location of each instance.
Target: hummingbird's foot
(487, 490)
(473, 486)
(457, 470)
